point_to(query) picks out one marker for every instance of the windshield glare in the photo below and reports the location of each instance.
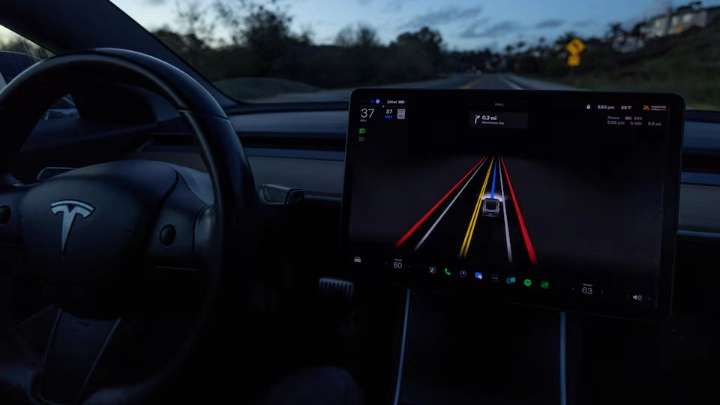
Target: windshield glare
(318, 50)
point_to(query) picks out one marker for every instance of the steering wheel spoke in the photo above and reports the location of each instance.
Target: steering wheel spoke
(77, 342)
(180, 244)
(177, 238)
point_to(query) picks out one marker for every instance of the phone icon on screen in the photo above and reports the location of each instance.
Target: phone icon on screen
(447, 271)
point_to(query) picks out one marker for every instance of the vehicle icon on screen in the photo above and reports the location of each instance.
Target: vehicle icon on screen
(490, 207)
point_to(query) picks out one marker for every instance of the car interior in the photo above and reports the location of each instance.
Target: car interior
(171, 243)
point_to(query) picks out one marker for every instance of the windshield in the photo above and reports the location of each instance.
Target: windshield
(318, 50)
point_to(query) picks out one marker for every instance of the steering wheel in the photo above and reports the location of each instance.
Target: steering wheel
(93, 238)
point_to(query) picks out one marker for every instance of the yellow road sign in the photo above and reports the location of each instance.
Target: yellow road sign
(574, 60)
(575, 47)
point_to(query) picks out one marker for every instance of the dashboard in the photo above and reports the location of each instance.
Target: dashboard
(306, 149)
(272, 140)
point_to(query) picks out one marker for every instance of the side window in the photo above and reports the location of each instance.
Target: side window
(13, 63)
(16, 55)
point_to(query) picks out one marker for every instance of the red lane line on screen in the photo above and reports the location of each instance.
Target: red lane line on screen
(437, 204)
(523, 229)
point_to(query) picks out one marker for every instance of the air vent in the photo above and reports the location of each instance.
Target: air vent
(49, 172)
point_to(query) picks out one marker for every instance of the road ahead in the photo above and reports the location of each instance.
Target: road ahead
(460, 81)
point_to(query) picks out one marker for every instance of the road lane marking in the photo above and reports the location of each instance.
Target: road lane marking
(437, 204)
(476, 212)
(507, 229)
(471, 84)
(473, 220)
(511, 84)
(492, 187)
(478, 205)
(523, 228)
(432, 228)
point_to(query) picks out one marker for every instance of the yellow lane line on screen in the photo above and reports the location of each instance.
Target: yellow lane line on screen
(473, 220)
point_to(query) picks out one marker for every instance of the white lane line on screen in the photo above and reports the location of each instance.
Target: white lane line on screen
(432, 228)
(504, 208)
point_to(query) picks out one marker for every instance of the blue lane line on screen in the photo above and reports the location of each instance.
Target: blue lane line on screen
(492, 187)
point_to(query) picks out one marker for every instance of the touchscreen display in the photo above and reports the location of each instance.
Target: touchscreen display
(561, 199)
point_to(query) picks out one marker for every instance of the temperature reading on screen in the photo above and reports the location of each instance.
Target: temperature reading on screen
(587, 289)
(367, 112)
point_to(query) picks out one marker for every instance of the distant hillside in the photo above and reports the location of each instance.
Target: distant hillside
(688, 63)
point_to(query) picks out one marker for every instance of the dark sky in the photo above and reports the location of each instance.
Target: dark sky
(464, 24)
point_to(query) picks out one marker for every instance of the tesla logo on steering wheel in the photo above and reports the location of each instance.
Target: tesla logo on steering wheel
(69, 209)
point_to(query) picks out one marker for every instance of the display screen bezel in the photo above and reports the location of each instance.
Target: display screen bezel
(656, 312)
